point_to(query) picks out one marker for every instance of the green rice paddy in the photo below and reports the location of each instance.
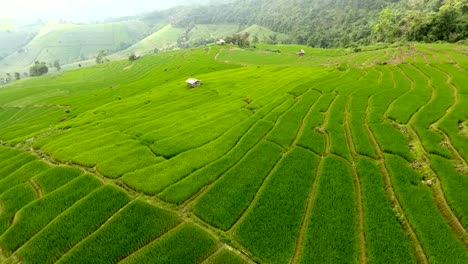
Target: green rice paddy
(332, 157)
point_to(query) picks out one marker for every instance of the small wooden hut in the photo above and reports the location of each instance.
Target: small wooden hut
(192, 82)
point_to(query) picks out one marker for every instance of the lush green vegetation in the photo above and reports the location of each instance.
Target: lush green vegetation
(185, 244)
(386, 239)
(74, 225)
(333, 156)
(266, 230)
(225, 256)
(332, 234)
(136, 225)
(224, 203)
(440, 243)
(36, 215)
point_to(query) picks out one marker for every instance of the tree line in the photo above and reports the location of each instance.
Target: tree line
(339, 23)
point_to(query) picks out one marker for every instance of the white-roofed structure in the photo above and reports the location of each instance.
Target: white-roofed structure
(192, 82)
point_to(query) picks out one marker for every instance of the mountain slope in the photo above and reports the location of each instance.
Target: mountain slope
(68, 43)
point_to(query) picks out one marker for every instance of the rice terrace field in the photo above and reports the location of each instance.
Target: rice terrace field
(332, 157)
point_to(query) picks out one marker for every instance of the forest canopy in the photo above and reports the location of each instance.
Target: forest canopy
(340, 23)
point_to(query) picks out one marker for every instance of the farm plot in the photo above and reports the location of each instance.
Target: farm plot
(312, 137)
(185, 244)
(408, 104)
(225, 202)
(35, 216)
(288, 125)
(387, 242)
(266, 230)
(173, 170)
(12, 201)
(56, 177)
(393, 140)
(73, 225)
(184, 189)
(12, 164)
(455, 184)
(254, 166)
(23, 174)
(133, 227)
(440, 243)
(225, 256)
(336, 130)
(432, 112)
(332, 234)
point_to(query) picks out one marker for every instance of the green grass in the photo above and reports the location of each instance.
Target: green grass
(409, 103)
(225, 256)
(393, 141)
(12, 201)
(289, 124)
(23, 174)
(35, 216)
(432, 112)
(224, 203)
(164, 38)
(128, 162)
(14, 163)
(56, 177)
(73, 225)
(167, 173)
(266, 230)
(331, 235)
(336, 130)
(454, 184)
(177, 144)
(185, 244)
(183, 190)
(387, 242)
(130, 229)
(72, 42)
(440, 244)
(214, 169)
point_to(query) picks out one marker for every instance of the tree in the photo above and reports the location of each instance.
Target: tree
(17, 75)
(101, 57)
(38, 69)
(8, 78)
(133, 57)
(57, 65)
(387, 29)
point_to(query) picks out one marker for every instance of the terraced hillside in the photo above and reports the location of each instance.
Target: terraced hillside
(69, 43)
(333, 157)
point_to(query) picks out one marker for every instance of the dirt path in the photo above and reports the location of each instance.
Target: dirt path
(300, 242)
(36, 187)
(275, 168)
(217, 54)
(362, 247)
(393, 198)
(438, 193)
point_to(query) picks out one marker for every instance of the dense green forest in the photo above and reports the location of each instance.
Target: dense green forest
(329, 23)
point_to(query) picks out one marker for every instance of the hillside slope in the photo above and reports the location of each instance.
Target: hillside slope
(72, 42)
(335, 156)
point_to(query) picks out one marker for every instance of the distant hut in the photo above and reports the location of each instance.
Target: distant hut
(192, 82)
(221, 42)
(301, 53)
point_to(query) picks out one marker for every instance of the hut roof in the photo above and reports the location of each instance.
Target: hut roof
(192, 81)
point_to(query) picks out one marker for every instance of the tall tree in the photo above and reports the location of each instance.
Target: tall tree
(101, 57)
(57, 65)
(38, 69)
